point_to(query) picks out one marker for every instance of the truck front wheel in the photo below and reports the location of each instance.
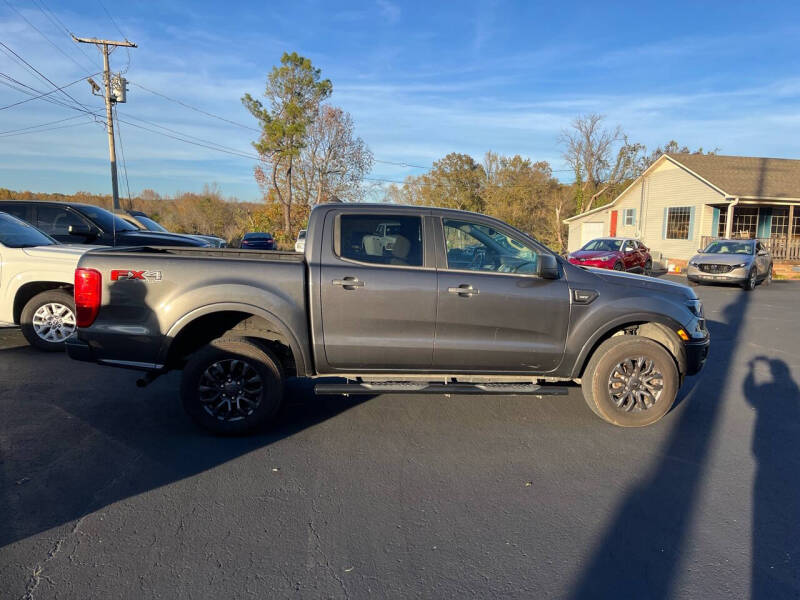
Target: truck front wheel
(630, 381)
(232, 386)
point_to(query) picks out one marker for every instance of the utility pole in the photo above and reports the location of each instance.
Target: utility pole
(112, 155)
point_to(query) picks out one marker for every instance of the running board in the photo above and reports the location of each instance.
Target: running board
(414, 387)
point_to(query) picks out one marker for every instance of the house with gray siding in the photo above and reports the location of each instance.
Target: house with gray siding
(684, 201)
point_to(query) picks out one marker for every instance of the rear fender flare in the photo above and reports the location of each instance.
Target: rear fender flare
(301, 360)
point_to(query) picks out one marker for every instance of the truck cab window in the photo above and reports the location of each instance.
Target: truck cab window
(478, 247)
(381, 239)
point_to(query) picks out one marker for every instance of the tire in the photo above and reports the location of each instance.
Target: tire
(631, 411)
(618, 266)
(211, 376)
(48, 319)
(768, 278)
(648, 267)
(752, 278)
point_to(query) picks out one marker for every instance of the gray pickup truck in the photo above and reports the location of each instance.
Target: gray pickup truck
(446, 302)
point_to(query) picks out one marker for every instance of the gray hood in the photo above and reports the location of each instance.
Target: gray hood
(645, 282)
(722, 259)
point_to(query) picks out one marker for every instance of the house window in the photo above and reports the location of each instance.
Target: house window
(678, 222)
(723, 220)
(745, 222)
(796, 226)
(629, 216)
(780, 222)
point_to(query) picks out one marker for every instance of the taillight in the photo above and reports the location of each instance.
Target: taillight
(87, 296)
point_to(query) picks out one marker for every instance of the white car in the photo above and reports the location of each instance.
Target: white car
(36, 280)
(300, 244)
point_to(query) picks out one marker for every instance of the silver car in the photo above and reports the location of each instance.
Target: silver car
(745, 262)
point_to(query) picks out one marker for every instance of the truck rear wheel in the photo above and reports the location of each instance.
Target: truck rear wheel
(48, 319)
(232, 386)
(630, 381)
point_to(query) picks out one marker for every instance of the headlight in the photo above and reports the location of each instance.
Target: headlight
(739, 266)
(606, 257)
(692, 263)
(696, 306)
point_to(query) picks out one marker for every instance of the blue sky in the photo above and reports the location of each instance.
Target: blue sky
(421, 79)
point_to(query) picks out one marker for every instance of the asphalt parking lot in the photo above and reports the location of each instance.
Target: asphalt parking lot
(108, 491)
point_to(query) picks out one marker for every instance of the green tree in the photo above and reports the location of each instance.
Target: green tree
(293, 96)
(455, 181)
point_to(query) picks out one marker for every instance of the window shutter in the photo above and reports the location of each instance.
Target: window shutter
(715, 222)
(664, 228)
(633, 212)
(691, 223)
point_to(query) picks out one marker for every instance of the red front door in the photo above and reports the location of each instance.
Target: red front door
(614, 223)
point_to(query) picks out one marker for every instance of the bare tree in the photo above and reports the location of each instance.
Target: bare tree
(334, 161)
(589, 148)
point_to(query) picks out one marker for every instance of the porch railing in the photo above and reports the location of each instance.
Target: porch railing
(781, 248)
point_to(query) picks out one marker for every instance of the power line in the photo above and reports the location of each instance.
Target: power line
(42, 95)
(41, 125)
(194, 108)
(45, 10)
(122, 154)
(42, 75)
(125, 37)
(47, 38)
(5, 135)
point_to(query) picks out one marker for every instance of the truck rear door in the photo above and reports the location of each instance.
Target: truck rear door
(378, 305)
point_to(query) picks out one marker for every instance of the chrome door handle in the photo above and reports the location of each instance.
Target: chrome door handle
(465, 290)
(348, 283)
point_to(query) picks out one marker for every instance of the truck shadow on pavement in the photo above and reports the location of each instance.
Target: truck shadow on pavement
(73, 451)
(639, 553)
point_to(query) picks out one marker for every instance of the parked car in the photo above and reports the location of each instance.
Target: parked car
(300, 244)
(511, 321)
(620, 254)
(36, 279)
(744, 262)
(258, 241)
(142, 221)
(74, 223)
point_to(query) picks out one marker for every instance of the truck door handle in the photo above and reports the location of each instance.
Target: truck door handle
(464, 290)
(348, 283)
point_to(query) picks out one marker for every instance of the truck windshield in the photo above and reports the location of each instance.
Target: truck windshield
(727, 247)
(18, 234)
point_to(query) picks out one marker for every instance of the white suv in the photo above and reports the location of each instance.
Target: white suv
(36, 279)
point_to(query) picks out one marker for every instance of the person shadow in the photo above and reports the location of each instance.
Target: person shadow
(771, 391)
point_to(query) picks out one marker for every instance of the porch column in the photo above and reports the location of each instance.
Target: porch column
(729, 221)
(791, 220)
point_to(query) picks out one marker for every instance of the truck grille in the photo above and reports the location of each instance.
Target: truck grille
(716, 268)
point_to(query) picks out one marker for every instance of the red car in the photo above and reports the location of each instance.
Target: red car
(620, 254)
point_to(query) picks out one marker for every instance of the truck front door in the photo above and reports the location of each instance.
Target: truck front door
(378, 305)
(495, 314)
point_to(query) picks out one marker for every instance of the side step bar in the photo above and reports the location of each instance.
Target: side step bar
(413, 387)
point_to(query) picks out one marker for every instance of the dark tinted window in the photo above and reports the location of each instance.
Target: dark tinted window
(55, 220)
(257, 236)
(15, 210)
(150, 224)
(359, 239)
(106, 220)
(15, 233)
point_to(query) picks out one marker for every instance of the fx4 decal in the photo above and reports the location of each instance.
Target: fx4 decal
(130, 275)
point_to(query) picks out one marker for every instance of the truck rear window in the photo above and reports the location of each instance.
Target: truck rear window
(381, 239)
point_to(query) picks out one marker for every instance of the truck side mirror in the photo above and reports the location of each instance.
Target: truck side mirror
(82, 230)
(548, 267)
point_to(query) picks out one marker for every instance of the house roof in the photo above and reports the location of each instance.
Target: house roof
(746, 176)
